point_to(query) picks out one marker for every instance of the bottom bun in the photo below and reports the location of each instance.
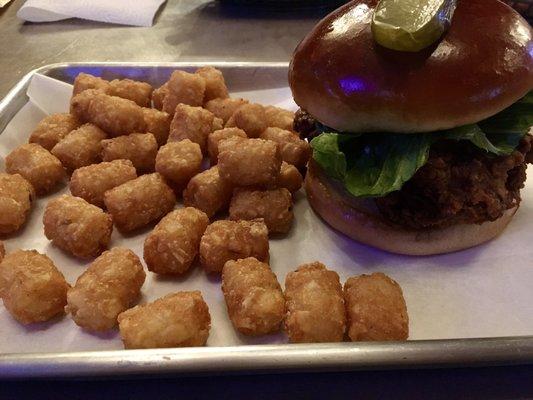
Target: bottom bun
(360, 219)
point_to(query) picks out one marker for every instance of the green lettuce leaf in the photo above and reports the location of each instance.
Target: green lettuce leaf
(377, 164)
(501, 133)
(385, 165)
(499, 144)
(327, 152)
(516, 119)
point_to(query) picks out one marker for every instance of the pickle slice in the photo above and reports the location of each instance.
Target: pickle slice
(411, 25)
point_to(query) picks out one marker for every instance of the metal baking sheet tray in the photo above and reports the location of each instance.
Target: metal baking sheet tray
(469, 308)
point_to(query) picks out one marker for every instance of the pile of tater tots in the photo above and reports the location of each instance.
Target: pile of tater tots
(131, 153)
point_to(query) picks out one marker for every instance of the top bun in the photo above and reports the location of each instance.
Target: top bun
(481, 65)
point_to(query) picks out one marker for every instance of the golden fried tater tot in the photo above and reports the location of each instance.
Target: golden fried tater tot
(279, 118)
(214, 139)
(139, 92)
(114, 115)
(2, 251)
(274, 206)
(157, 123)
(315, 305)
(91, 182)
(173, 244)
(184, 88)
(16, 198)
(293, 150)
(254, 299)
(215, 86)
(208, 192)
(76, 226)
(224, 108)
(250, 118)
(376, 308)
(32, 288)
(194, 123)
(52, 128)
(158, 95)
(80, 148)
(136, 91)
(232, 240)
(140, 201)
(290, 178)
(87, 81)
(176, 320)
(37, 165)
(249, 162)
(139, 148)
(178, 162)
(108, 287)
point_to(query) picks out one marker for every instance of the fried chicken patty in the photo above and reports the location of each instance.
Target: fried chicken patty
(460, 183)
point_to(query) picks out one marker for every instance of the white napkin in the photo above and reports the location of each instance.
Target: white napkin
(125, 12)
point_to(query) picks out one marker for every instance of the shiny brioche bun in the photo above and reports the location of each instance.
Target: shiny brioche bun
(359, 219)
(481, 65)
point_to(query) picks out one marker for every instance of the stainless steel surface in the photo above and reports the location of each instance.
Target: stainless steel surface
(271, 358)
(184, 30)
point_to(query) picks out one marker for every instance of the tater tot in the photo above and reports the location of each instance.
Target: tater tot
(293, 150)
(376, 308)
(158, 95)
(139, 92)
(215, 86)
(173, 244)
(136, 91)
(231, 240)
(249, 162)
(176, 320)
(139, 148)
(108, 287)
(87, 81)
(274, 206)
(290, 178)
(114, 115)
(16, 198)
(214, 139)
(250, 118)
(178, 162)
(254, 299)
(184, 88)
(91, 182)
(218, 124)
(37, 165)
(279, 118)
(81, 147)
(76, 226)
(157, 123)
(2, 251)
(32, 288)
(224, 108)
(208, 192)
(315, 306)
(51, 129)
(140, 201)
(193, 123)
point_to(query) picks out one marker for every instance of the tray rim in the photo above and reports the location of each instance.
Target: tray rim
(278, 358)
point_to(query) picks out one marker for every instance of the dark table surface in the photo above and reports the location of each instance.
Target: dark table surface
(199, 30)
(467, 383)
